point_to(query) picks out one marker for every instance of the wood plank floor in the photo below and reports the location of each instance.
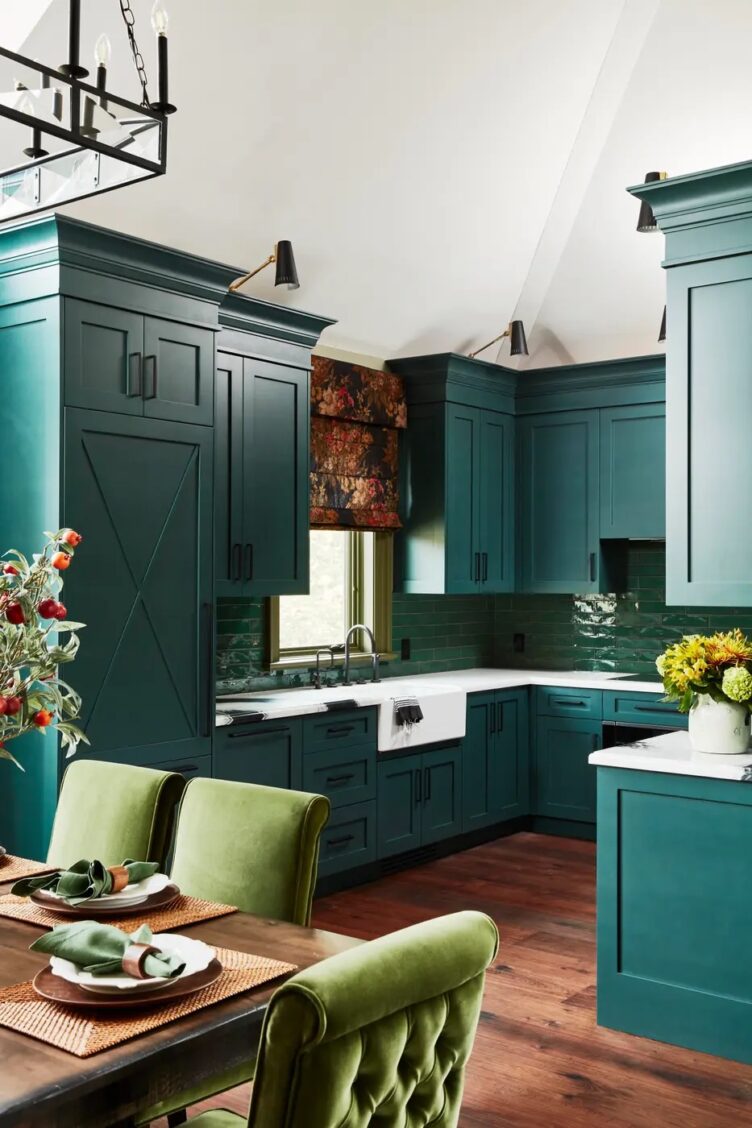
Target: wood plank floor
(539, 1060)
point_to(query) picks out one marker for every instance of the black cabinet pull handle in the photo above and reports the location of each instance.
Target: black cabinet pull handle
(485, 566)
(418, 787)
(248, 735)
(151, 363)
(577, 702)
(500, 717)
(236, 554)
(345, 838)
(655, 708)
(592, 566)
(181, 769)
(427, 787)
(491, 721)
(249, 562)
(340, 778)
(208, 625)
(340, 730)
(477, 567)
(134, 375)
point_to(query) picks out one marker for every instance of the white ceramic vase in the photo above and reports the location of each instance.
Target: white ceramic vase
(720, 727)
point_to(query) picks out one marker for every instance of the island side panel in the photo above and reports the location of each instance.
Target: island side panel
(675, 909)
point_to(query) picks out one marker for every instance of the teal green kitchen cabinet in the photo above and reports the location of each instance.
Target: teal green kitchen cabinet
(563, 782)
(419, 799)
(107, 350)
(348, 840)
(142, 582)
(120, 361)
(633, 471)
(458, 501)
(261, 487)
(495, 759)
(707, 220)
(267, 752)
(559, 503)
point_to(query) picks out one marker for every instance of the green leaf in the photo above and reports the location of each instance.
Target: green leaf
(5, 755)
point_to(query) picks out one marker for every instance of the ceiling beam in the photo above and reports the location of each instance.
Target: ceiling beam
(631, 31)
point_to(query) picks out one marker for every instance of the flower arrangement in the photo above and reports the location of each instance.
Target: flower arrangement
(32, 696)
(718, 665)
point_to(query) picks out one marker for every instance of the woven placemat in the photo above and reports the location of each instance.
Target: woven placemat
(182, 912)
(13, 869)
(22, 1010)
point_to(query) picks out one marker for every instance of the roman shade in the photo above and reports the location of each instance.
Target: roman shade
(356, 416)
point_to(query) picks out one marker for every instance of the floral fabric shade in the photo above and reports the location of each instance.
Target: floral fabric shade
(356, 416)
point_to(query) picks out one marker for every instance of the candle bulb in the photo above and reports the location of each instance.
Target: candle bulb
(159, 22)
(102, 56)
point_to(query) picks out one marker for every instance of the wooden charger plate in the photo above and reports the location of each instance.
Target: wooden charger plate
(94, 908)
(57, 990)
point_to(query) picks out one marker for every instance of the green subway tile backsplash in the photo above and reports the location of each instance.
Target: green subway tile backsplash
(606, 632)
(563, 632)
(449, 632)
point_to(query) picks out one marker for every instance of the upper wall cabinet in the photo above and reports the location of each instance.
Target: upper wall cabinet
(261, 478)
(560, 550)
(707, 220)
(261, 433)
(118, 360)
(457, 479)
(633, 471)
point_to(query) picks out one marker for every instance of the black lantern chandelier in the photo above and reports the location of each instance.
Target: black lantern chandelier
(79, 139)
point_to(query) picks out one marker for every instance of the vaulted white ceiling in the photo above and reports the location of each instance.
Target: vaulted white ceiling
(440, 165)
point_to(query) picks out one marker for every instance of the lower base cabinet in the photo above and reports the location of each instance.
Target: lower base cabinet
(563, 780)
(348, 839)
(268, 754)
(495, 761)
(419, 799)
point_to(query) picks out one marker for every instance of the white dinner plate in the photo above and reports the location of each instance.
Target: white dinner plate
(194, 953)
(133, 894)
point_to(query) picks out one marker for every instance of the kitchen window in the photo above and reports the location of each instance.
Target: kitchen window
(351, 582)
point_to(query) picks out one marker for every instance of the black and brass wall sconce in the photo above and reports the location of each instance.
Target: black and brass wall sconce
(515, 330)
(285, 274)
(646, 219)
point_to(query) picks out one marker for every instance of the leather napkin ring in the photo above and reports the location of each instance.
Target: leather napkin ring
(120, 877)
(134, 959)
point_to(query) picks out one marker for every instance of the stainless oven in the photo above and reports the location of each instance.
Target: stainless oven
(617, 732)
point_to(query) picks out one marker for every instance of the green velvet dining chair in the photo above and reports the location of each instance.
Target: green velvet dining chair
(253, 847)
(112, 812)
(379, 1035)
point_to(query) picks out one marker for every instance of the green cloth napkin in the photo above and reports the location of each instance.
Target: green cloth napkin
(84, 881)
(99, 948)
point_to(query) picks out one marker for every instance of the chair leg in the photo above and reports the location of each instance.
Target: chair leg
(176, 1118)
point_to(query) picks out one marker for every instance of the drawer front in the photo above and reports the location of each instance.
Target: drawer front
(346, 775)
(568, 702)
(349, 838)
(190, 767)
(642, 709)
(339, 729)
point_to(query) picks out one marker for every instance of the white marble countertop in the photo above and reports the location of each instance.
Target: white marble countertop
(283, 703)
(674, 754)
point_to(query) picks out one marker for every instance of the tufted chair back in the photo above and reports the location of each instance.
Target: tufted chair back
(379, 1035)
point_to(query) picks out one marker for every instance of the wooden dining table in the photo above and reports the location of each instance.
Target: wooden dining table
(43, 1087)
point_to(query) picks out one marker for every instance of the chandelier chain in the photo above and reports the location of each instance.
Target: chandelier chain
(130, 20)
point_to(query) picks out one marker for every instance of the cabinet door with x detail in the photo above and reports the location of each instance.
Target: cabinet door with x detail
(139, 490)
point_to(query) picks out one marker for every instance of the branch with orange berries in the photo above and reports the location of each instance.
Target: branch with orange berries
(33, 697)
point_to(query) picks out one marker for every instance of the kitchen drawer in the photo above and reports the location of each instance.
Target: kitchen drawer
(346, 775)
(553, 702)
(349, 838)
(339, 729)
(190, 767)
(642, 709)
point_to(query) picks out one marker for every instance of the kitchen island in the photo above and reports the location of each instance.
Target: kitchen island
(674, 895)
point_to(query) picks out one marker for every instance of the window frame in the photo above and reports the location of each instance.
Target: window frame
(379, 618)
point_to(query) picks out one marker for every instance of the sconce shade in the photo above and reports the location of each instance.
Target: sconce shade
(646, 219)
(517, 339)
(662, 333)
(286, 273)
